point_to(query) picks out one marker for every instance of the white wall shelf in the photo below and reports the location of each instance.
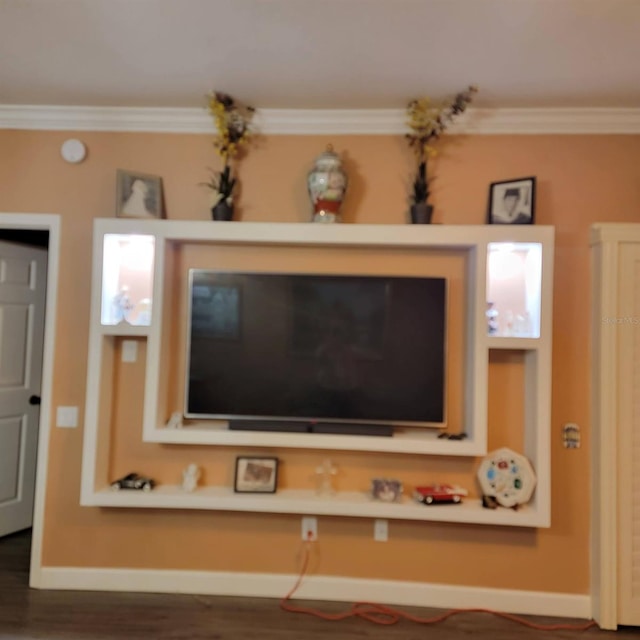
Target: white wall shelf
(124, 330)
(298, 501)
(518, 344)
(420, 441)
(472, 243)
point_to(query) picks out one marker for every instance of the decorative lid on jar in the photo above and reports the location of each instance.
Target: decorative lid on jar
(327, 183)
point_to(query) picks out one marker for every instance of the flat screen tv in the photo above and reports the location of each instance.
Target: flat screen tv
(316, 348)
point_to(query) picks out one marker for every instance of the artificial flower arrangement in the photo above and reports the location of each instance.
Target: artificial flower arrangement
(427, 124)
(233, 123)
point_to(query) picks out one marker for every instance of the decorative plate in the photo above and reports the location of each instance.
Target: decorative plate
(508, 477)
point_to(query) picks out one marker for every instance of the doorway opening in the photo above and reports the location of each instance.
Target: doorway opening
(29, 255)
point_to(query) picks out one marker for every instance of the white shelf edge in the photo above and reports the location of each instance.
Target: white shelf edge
(124, 331)
(413, 442)
(298, 501)
(463, 237)
(509, 342)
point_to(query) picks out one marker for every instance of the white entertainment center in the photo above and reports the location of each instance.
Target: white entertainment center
(156, 246)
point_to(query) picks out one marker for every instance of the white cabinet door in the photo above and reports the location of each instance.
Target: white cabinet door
(23, 273)
(627, 324)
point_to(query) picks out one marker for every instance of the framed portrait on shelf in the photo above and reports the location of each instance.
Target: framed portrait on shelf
(138, 195)
(386, 490)
(256, 475)
(512, 201)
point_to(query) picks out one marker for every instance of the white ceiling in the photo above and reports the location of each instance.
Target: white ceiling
(324, 54)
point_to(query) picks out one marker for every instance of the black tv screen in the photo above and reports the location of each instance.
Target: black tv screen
(361, 349)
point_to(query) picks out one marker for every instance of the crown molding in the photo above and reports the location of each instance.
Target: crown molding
(320, 121)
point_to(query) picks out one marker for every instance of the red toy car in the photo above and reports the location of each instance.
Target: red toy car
(443, 493)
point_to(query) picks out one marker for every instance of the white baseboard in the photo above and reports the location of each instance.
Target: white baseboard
(316, 588)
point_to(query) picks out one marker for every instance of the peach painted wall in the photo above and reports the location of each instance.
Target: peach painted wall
(581, 180)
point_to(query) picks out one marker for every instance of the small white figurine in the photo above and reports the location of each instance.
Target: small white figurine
(324, 478)
(190, 477)
(175, 421)
(122, 305)
(144, 312)
(492, 319)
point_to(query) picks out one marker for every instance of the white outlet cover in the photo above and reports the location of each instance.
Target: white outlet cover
(381, 530)
(129, 351)
(310, 528)
(67, 417)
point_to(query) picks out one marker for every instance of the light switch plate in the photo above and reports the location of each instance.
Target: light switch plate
(129, 351)
(67, 417)
(380, 530)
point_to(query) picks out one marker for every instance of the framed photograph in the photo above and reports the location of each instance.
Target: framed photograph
(386, 490)
(256, 475)
(138, 195)
(512, 201)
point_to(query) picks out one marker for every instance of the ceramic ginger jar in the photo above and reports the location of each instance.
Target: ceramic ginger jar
(327, 184)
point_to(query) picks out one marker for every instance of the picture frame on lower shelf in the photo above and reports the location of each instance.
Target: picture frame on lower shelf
(256, 475)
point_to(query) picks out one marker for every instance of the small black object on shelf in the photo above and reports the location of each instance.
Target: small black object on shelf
(222, 211)
(421, 213)
(133, 481)
(489, 502)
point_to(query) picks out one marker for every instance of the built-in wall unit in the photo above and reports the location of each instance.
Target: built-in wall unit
(231, 313)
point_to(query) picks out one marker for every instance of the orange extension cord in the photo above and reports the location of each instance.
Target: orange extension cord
(381, 614)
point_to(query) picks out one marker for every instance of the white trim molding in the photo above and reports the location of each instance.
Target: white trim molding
(320, 121)
(340, 589)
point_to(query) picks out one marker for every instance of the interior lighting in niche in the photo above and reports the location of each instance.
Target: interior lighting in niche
(127, 279)
(510, 260)
(505, 263)
(137, 253)
(514, 276)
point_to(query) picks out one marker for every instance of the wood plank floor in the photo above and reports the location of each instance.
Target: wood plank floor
(80, 615)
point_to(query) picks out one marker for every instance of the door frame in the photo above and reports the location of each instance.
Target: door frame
(51, 223)
(607, 385)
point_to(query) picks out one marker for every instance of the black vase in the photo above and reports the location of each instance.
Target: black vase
(421, 213)
(222, 211)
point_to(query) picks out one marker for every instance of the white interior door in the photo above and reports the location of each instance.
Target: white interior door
(23, 282)
(629, 437)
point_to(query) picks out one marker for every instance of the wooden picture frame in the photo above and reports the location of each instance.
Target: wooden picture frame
(138, 195)
(256, 474)
(512, 201)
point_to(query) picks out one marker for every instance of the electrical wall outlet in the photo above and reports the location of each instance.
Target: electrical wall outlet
(129, 351)
(380, 530)
(310, 528)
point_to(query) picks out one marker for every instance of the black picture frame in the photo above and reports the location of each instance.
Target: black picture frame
(512, 201)
(256, 474)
